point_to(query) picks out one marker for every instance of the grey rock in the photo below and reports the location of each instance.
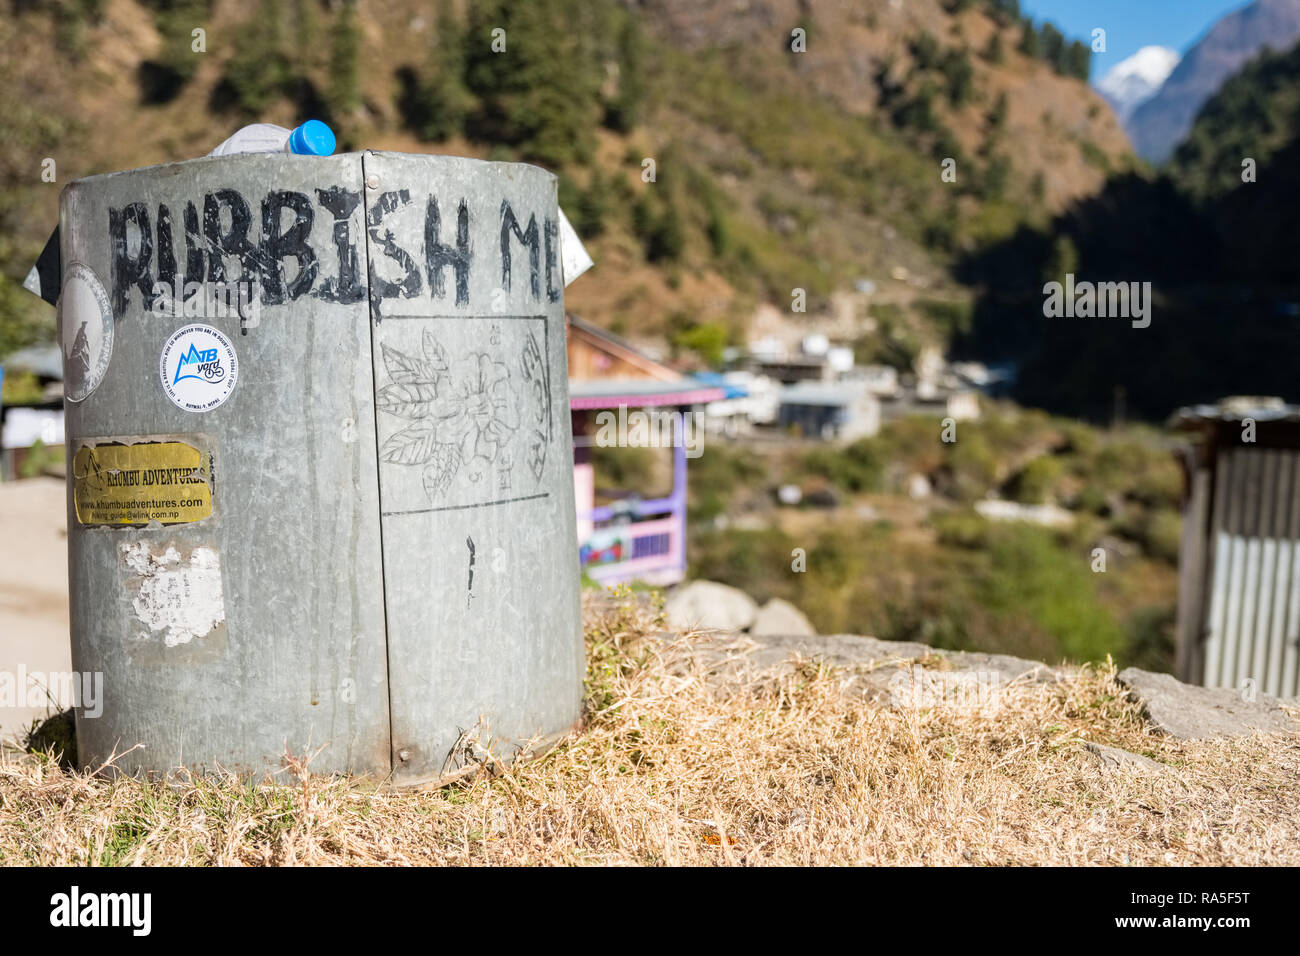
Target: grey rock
(875, 667)
(823, 498)
(838, 650)
(708, 604)
(781, 617)
(1197, 713)
(849, 650)
(1113, 758)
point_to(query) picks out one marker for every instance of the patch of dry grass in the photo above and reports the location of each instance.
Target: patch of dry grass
(678, 766)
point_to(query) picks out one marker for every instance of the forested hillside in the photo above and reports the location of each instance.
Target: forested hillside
(792, 145)
(1214, 234)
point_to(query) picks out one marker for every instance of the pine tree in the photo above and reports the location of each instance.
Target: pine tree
(1063, 261)
(1030, 44)
(307, 32)
(1078, 61)
(593, 206)
(668, 236)
(1053, 47)
(623, 110)
(447, 101)
(994, 52)
(259, 72)
(959, 75)
(1005, 12)
(344, 90)
(997, 116)
(543, 93)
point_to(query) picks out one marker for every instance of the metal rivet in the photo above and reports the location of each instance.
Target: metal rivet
(372, 181)
(403, 755)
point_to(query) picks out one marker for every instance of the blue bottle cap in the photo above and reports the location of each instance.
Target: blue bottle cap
(312, 138)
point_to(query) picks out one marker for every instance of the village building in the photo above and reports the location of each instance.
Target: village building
(620, 396)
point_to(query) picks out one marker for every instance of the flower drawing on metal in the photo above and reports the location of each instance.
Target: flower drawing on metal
(463, 414)
(537, 381)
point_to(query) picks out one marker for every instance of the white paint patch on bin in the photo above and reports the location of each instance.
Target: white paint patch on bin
(180, 599)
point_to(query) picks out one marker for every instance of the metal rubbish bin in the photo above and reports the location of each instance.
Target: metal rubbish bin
(320, 486)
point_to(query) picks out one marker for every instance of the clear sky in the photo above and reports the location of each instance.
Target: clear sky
(1131, 24)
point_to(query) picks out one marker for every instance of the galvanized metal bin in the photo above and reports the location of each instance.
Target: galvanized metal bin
(320, 480)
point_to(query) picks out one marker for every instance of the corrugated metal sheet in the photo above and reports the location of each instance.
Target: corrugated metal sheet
(1252, 627)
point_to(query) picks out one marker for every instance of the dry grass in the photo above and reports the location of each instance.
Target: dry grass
(678, 767)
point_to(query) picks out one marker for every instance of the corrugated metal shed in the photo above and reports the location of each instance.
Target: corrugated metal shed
(1239, 566)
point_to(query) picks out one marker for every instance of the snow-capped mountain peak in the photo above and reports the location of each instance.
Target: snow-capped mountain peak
(1133, 81)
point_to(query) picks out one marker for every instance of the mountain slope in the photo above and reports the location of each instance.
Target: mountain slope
(775, 170)
(1254, 115)
(1158, 125)
(1217, 247)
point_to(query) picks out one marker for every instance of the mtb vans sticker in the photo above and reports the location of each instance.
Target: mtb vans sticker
(85, 331)
(198, 368)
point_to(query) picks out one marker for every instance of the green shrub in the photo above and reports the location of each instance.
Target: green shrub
(1032, 575)
(592, 206)
(950, 319)
(1163, 534)
(717, 477)
(1091, 500)
(1035, 482)
(1149, 639)
(667, 236)
(973, 466)
(708, 340)
(962, 529)
(624, 469)
(40, 459)
(855, 468)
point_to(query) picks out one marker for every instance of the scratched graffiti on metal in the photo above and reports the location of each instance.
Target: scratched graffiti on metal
(472, 422)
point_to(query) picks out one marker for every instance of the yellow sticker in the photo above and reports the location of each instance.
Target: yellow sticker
(117, 483)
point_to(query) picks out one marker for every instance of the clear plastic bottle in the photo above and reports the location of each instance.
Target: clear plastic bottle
(312, 138)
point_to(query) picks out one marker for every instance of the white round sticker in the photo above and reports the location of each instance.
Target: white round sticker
(198, 368)
(85, 331)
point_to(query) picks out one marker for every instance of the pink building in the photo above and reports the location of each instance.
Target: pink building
(632, 539)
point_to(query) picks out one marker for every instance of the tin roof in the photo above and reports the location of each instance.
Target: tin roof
(638, 393)
(43, 360)
(1234, 409)
(818, 393)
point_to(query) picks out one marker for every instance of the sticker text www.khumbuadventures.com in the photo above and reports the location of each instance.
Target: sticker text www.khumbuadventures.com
(138, 481)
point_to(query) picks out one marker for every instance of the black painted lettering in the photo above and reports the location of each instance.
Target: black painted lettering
(381, 288)
(235, 241)
(279, 245)
(437, 255)
(345, 288)
(166, 251)
(529, 237)
(130, 269)
(552, 232)
(193, 245)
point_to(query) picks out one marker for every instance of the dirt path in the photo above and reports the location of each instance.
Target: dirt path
(33, 592)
